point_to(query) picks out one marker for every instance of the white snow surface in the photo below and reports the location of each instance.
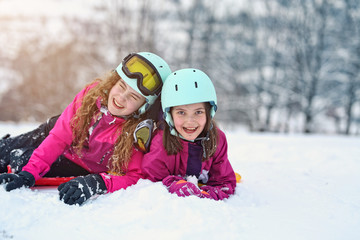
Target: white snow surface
(293, 187)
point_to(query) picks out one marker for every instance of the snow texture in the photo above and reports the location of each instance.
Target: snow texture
(293, 187)
(192, 179)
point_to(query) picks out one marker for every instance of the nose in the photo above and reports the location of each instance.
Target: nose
(126, 94)
(122, 96)
(190, 118)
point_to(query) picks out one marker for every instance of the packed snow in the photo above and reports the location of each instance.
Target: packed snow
(293, 187)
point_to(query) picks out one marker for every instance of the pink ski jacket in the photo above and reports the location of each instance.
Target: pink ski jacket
(95, 156)
(215, 172)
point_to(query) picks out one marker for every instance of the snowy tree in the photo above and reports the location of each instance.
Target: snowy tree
(277, 65)
(351, 40)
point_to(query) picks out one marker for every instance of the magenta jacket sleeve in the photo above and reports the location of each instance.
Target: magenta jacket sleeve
(133, 174)
(156, 164)
(54, 145)
(222, 179)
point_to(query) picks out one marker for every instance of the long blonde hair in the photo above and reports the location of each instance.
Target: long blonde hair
(89, 111)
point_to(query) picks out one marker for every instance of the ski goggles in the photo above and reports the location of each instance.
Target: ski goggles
(142, 135)
(148, 78)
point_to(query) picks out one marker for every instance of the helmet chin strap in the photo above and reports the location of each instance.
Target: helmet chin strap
(126, 117)
(134, 115)
(206, 138)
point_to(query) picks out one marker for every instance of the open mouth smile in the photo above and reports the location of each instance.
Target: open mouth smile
(117, 105)
(190, 130)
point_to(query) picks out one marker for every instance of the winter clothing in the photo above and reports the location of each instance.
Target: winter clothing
(65, 168)
(80, 189)
(142, 135)
(94, 156)
(216, 192)
(61, 167)
(181, 187)
(17, 150)
(216, 172)
(14, 181)
(19, 158)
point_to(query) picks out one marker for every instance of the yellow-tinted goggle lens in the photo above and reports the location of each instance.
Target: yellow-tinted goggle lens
(150, 80)
(142, 136)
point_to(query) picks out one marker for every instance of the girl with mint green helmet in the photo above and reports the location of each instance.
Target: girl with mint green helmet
(196, 88)
(189, 155)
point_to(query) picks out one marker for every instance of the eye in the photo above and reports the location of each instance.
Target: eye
(199, 112)
(134, 97)
(122, 85)
(180, 112)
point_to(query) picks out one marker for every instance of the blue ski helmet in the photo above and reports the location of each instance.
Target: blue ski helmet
(187, 86)
(145, 72)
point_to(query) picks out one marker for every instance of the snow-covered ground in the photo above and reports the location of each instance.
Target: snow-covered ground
(293, 187)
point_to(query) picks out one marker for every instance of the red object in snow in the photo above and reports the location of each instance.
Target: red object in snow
(52, 181)
(48, 181)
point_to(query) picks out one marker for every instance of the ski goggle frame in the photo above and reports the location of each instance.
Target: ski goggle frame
(148, 78)
(143, 134)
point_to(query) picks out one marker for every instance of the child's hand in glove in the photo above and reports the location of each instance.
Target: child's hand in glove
(14, 181)
(80, 189)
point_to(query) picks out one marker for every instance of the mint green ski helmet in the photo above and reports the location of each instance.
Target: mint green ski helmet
(187, 86)
(154, 67)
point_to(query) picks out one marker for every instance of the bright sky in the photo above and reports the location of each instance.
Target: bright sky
(45, 7)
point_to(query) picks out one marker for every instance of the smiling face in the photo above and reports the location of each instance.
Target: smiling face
(189, 120)
(123, 100)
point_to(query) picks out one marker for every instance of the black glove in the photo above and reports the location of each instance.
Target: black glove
(14, 181)
(80, 189)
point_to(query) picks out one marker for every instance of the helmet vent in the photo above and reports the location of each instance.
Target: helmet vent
(176, 87)
(196, 85)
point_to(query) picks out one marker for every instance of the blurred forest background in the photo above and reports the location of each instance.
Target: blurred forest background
(277, 65)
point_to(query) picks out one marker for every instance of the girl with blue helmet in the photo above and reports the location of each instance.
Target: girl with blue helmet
(91, 137)
(190, 155)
